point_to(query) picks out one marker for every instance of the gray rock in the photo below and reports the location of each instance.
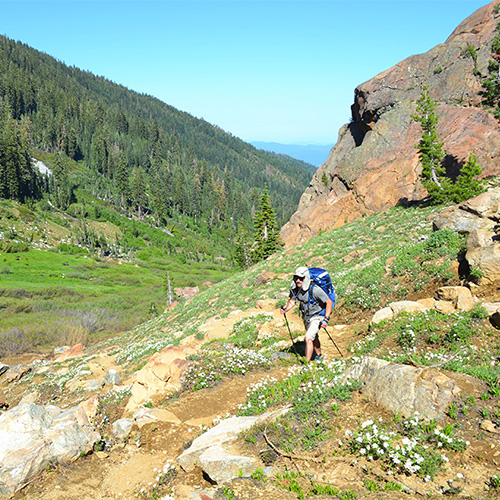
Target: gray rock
(406, 306)
(3, 368)
(112, 377)
(459, 220)
(30, 397)
(93, 385)
(144, 416)
(61, 349)
(223, 433)
(222, 465)
(384, 314)
(32, 437)
(485, 206)
(122, 428)
(483, 252)
(404, 389)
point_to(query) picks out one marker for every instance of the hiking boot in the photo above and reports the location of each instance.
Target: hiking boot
(319, 358)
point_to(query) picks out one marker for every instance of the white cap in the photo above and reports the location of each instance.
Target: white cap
(302, 272)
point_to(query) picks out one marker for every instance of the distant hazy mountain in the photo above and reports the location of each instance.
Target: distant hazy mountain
(315, 155)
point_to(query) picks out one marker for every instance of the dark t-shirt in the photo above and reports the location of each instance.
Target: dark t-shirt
(316, 307)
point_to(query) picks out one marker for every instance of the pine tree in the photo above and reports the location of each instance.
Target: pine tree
(242, 250)
(122, 180)
(433, 177)
(267, 237)
(431, 149)
(139, 191)
(468, 184)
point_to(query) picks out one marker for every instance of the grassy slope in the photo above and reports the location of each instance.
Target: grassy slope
(51, 297)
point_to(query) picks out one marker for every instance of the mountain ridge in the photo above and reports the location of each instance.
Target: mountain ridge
(311, 153)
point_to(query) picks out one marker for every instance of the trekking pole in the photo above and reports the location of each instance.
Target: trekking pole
(333, 341)
(290, 332)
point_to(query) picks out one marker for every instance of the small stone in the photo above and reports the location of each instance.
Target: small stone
(489, 426)
(3, 368)
(112, 377)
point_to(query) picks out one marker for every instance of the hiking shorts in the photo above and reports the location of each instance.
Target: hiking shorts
(312, 327)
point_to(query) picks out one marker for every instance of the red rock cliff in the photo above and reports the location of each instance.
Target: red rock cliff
(374, 164)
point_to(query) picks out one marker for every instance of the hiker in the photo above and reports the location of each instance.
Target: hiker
(315, 307)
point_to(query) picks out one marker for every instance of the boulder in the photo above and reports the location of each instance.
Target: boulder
(407, 306)
(222, 434)
(483, 252)
(161, 375)
(33, 437)
(491, 307)
(383, 314)
(460, 296)
(427, 302)
(145, 416)
(264, 278)
(484, 206)
(73, 352)
(122, 428)
(29, 397)
(478, 218)
(459, 220)
(444, 307)
(112, 377)
(16, 372)
(90, 407)
(404, 389)
(221, 465)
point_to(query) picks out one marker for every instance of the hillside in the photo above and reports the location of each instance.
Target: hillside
(236, 358)
(131, 150)
(374, 164)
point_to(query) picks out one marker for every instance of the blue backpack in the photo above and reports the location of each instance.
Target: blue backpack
(321, 278)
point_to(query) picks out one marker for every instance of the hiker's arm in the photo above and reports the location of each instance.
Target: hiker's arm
(290, 305)
(328, 311)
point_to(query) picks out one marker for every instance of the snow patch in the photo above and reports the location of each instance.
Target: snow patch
(41, 167)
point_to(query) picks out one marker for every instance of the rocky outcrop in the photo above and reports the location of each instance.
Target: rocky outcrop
(479, 218)
(374, 164)
(161, 375)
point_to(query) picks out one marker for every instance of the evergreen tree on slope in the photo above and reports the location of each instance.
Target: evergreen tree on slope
(267, 236)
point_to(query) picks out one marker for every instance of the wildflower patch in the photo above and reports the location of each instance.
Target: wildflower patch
(415, 448)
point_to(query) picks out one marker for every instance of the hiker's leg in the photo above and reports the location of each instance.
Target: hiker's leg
(312, 339)
(317, 345)
(309, 349)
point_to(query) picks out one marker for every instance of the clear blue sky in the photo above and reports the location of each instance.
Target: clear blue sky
(282, 71)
